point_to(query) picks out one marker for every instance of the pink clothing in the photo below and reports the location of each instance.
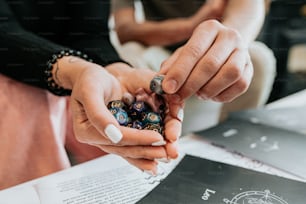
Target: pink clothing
(34, 129)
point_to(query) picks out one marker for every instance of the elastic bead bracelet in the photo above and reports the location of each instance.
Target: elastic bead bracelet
(52, 86)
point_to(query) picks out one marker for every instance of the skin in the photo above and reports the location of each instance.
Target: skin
(90, 115)
(163, 32)
(215, 63)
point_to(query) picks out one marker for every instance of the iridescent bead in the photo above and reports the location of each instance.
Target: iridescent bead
(151, 117)
(120, 115)
(137, 108)
(156, 84)
(137, 124)
(154, 127)
(116, 104)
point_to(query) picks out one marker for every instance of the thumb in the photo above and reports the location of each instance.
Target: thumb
(102, 119)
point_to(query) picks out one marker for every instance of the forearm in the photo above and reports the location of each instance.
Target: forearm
(156, 33)
(25, 56)
(245, 16)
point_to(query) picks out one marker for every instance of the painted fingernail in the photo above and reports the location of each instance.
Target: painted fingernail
(164, 160)
(202, 97)
(171, 85)
(150, 172)
(180, 115)
(113, 133)
(159, 143)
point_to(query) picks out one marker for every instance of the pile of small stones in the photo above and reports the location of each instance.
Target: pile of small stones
(146, 112)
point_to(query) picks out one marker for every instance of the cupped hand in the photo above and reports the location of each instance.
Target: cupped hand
(214, 64)
(94, 124)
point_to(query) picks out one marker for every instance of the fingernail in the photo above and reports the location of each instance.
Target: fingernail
(203, 97)
(113, 133)
(164, 160)
(159, 143)
(180, 115)
(170, 86)
(128, 98)
(152, 173)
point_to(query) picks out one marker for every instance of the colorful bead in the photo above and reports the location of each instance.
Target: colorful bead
(154, 127)
(138, 115)
(116, 104)
(137, 108)
(151, 117)
(156, 84)
(137, 124)
(120, 115)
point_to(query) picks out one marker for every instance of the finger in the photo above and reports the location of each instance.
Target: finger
(166, 65)
(149, 166)
(173, 128)
(229, 74)
(87, 133)
(172, 150)
(143, 80)
(100, 117)
(136, 152)
(189, 56)
(237, 88)
(211, 63)
(133, 136)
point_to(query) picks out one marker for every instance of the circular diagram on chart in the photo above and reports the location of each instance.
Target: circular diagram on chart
(255, 197)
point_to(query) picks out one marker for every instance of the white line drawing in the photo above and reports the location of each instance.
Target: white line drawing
(265, 144)
(230, 132)
(255, 197)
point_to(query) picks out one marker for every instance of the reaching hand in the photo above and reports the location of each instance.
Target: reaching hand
(214, 64)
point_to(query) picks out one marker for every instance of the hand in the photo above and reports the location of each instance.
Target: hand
(92, 88)
(214, 64)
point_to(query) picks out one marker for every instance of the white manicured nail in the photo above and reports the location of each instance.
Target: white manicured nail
(159, 143)
(113, 133)
(180, 115)
(149, 172)
(164, 160)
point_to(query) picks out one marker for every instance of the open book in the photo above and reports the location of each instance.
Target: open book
(276, 137)
(199, 181)
(109, 179)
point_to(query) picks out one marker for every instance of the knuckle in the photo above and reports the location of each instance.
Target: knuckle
(233, 34)
(242, 85)
(194, 51)
(212, 64)
(233, 73)
(212, 23)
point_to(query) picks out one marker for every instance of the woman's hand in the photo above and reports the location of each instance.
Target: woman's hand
(92, 88)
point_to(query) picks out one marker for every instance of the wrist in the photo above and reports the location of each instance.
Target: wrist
(68, 69)
(59, 76)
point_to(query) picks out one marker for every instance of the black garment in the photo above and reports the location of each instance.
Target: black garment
(32, 30)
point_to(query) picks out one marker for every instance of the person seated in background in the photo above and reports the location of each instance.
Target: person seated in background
(213, 44)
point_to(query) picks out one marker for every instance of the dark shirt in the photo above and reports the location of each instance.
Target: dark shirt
(32, 30)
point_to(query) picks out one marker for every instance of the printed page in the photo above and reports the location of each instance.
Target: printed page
(20, 194)
(94, 182)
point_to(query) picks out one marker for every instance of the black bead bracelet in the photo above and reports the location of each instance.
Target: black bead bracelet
(52, 86)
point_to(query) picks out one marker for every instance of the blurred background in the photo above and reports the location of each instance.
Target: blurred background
(284, 32)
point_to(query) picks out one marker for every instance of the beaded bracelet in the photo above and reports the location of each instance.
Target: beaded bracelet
(52, 86)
